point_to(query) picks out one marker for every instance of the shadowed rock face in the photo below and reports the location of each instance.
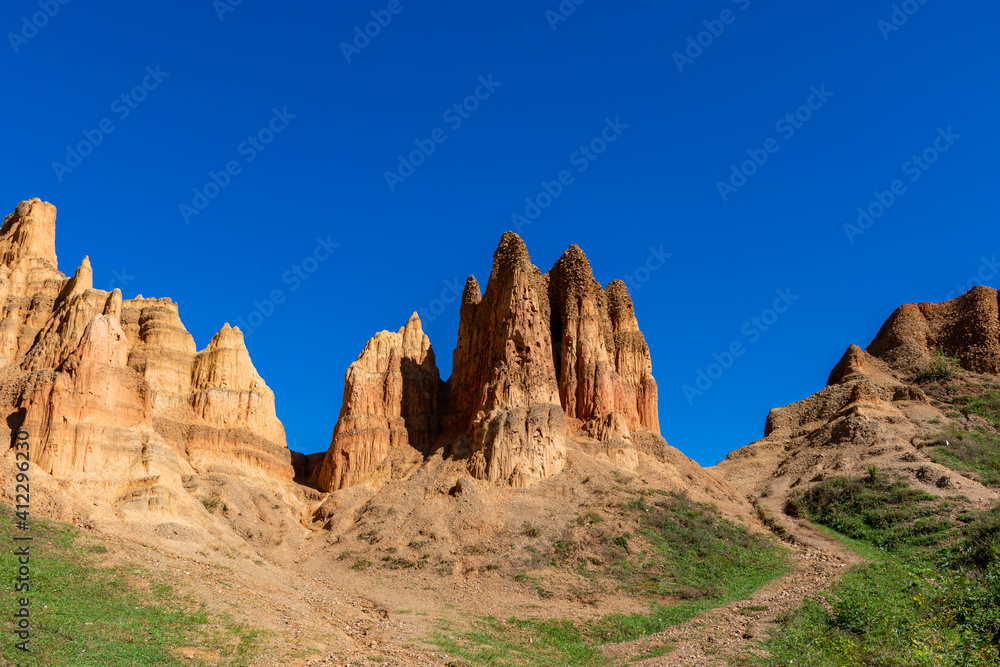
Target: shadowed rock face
(390, 406)
(539, 357)
(114, 392)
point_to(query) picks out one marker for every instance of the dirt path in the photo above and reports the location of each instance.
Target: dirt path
(713, 637)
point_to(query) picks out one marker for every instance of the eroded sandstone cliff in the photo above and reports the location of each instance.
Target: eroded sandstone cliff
(390, 407)
(114, 393)
(541, 359)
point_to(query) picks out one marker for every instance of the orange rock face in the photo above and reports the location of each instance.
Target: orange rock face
(505, 392)
(532, 351)
(29, 278)
(390, 406)
(967, 328)
(114, 392)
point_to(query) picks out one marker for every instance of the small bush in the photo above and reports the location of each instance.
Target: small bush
(211, 503)
(529, 530)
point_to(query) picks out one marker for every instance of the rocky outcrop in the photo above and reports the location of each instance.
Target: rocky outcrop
(390, 410)
(540, 359)
(632, 359)
(873, 411)
(505, 391)
(237, 421)
(966, 328)
(161, 351)
(29, 278)
(114, 392)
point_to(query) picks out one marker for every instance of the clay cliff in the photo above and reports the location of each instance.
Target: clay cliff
(541, 360)
(886, 406)
(116, 397)
(390, 408)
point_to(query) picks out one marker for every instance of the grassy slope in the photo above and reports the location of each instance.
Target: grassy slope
(83, 614)
(684, 550)
(930, 595)
(970, 448)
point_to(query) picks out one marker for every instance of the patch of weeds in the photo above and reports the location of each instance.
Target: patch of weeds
(968, 451)
(917, 602)
(530, 530)
(657, 652)
(941, 369)
(753, 609)
(878, 509)
(361, 563)
(85, 615)
(371, 536)
(211, 504)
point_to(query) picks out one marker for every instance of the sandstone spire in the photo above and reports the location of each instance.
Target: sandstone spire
(632, 359)
(115, 393)
(504, 387)
(81, 281)
(583, 336)
(390, 409)
(29, 278)
(532, 349)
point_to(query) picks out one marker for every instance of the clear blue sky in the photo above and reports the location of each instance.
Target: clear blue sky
(887, 92)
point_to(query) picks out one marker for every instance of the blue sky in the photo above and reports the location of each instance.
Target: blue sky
(291, 120)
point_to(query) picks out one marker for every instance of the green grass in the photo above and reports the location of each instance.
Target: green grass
(877, 508)
(969, 448)
(918, 602)
(685, 559)
(942, 369)
(518, 642)
(969, 451)
(656, 652)
(83, 614)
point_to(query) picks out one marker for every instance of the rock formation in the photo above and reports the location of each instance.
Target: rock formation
(540, 359)
(967, 328)
(505, 393)
(874, 410)
(390, 407)
(113, 392)
(29, 278)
